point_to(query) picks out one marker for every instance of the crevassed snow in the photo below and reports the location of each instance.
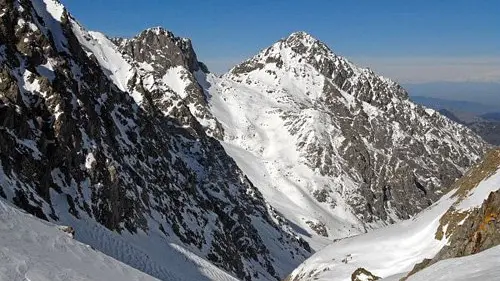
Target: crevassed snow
(483, 266)
(31, 249)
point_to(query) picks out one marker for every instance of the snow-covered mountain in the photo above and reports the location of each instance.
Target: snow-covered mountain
(462, 222)
(89, 139)
(333, 147)
(188, 176)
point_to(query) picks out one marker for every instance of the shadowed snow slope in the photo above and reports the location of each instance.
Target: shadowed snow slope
(32, 249)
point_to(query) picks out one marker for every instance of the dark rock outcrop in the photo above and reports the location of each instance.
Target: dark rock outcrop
(362, 274)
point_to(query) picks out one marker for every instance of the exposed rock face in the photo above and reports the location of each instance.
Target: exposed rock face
(168, 64)
(160, 48)
(478, 232)
(82, 137)
(362, 274)
(367, 148)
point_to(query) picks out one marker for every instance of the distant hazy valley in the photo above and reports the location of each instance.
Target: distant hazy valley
(482, 119)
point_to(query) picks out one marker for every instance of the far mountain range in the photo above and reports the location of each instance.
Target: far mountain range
(482, 118)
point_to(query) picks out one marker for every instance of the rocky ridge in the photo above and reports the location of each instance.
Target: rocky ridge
(470, 231)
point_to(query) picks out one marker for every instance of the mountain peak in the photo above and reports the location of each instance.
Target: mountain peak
(158, 31)
(301, 36)
(303, 42)
(160, 47)
(298, 48)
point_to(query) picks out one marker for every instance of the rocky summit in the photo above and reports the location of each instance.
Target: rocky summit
(185, 175)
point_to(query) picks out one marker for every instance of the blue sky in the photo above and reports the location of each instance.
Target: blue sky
(409, 41)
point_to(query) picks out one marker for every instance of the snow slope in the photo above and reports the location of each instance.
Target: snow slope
(394, 250)
(114, 65)
(384, 252)
(479, 267)
(31, 249)
(165, 258)
(269, 158)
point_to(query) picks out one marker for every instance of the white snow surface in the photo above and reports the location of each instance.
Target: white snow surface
(482, 266)
(477, 195)
(383, 252)
(112, 62)
(35, 250)
(175, 78)
(55, 8)
(395, 249)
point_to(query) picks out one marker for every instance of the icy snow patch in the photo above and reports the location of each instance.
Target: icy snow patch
(89, 161)
(46, 70)
(477, 196)
(176, 79)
